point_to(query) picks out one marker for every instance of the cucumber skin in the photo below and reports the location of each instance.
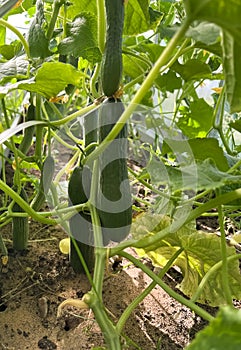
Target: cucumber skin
(115, 226)
(20, 225)
(80, 224)
(112, 60)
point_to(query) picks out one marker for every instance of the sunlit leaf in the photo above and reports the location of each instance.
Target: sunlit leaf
(223, 332)
(137, 17)
(201, 251)
(196, 120)
(76, 7)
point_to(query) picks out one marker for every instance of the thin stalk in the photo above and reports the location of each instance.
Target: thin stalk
(126, 314)
(225, 274)
(93, 81)
(83, 112)
(4, 187)
(19, 35)
(140, 94)
(190, 304)
(101, 25)
(210, 272)
(57, 6)
(39, 130)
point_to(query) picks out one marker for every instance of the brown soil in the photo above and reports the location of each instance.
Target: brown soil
(35, 282)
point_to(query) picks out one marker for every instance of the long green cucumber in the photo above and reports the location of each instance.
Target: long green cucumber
(80, 223)
(46, 179)
(114, 204)
(29, 132)
(111, 71)
(20, 226)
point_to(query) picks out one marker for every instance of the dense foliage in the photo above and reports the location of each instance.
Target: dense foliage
(179, 64)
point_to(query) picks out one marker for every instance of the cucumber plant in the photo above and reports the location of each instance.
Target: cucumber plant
(175, 58)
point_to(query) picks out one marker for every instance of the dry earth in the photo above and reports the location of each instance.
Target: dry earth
(35, 282)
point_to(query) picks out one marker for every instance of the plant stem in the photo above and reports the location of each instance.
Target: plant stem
(19, 35)
(140, 94)
(126, 314)
(101, 25)
(82, 112)
(190, 304)
(57, 6)
(4, 187)
(225, 273)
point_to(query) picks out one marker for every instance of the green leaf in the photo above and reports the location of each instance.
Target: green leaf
(76, 8)
(137, 17)
(201, 251)
(7, 51)
(168, 81)
(196, 120)
(192, 69)
(223, 333)
(134, 66)
(232, 70)
(37, 40)
(198, 149)
(17, 67)
(208, 148)
(81, 39)
(236, 125)
(50, 79)
(194, 176)
(207, 33)
(225, 13)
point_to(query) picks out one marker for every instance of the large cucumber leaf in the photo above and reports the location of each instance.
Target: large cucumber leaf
(225, 13)
(223, 333)
(17, 67)
(81, 39)
(200, 149)
(197, 119)
(139, 17)
(201, 251)
(50, 79)
(76, 8)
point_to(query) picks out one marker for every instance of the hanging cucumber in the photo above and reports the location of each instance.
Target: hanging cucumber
(20, 226)
(29, 132)
(114, 198)
(112, 60)
(80, 223)
(46, 179)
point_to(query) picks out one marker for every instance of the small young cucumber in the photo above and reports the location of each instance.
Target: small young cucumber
(114, 203)
(112, 59)
(20, 226)
(80, 223)
(46, 179)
